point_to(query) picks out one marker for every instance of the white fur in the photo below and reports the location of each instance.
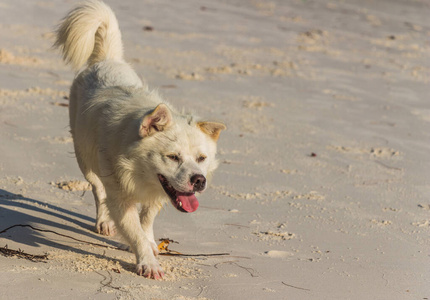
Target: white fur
(89, 34)
(124, 134)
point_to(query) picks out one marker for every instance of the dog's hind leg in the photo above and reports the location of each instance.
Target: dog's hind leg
(104, 224)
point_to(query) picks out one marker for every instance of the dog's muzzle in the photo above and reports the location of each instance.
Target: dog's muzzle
(182, 201)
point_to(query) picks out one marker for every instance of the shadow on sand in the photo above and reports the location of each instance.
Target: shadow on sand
(17, 209)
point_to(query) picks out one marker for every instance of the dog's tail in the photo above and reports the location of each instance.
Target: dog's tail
(89, 34)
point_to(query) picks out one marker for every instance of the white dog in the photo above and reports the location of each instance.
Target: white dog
(130, 144)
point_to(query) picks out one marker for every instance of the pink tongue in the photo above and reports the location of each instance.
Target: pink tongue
(189, 202)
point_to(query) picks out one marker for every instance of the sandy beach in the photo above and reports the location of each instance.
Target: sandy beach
(323, 188)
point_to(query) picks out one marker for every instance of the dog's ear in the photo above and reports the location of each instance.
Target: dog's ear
(213, 129)
(158, 120)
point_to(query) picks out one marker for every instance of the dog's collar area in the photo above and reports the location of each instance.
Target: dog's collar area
(184, 202)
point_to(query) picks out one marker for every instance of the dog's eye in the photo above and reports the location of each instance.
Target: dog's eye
(201, 158)
(173, 157)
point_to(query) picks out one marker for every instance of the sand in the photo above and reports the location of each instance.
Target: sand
(323, 188)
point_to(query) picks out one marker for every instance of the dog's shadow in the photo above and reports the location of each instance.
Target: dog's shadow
(16, 209)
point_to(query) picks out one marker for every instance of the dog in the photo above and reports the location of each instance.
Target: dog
(133, 147)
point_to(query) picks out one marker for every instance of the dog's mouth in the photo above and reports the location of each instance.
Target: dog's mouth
(185, 202)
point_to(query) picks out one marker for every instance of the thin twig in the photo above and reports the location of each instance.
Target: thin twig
(169, 253)
(224, 262)
(237, 256)
(109, 283)
(191, 255)
(21, 254)
(296, 287)
(163, 247)
(251, 271)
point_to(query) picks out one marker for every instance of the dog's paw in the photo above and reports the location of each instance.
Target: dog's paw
(106, 228)
(150, 269)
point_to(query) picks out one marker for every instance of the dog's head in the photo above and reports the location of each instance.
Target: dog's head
(177, 154)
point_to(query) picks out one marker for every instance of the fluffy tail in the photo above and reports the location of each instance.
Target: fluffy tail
(89, 34)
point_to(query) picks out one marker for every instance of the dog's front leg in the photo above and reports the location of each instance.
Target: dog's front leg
(126, 218)
(147, 216)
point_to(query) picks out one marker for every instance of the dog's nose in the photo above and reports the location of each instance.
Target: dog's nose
(198, 182)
